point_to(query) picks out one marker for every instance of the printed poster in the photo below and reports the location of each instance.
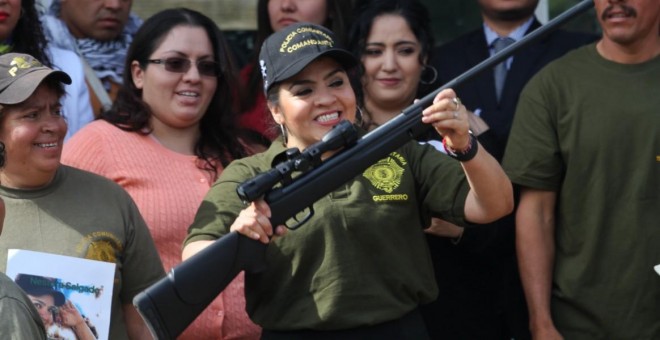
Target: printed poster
(72, 295)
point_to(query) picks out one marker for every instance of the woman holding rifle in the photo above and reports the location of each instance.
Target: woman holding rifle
(344, 273)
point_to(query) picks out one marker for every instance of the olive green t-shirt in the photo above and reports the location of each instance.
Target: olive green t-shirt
(18, 318)
(589, 129)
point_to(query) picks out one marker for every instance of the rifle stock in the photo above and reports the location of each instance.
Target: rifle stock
(171, 304)
(174, 302)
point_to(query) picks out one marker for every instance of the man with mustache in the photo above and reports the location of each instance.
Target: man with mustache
(476, 268)
(100, 33)
(585, 147)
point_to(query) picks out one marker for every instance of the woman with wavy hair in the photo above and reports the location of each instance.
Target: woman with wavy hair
(393, 41)
(168, 136)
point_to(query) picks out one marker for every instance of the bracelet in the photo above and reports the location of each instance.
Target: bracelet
(463, 155)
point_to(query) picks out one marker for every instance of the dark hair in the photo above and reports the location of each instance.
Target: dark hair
(413, 11)
(54, 84)
(36, 285)
(337, 21)
(28, 35)
(218, 139)
(2, 154)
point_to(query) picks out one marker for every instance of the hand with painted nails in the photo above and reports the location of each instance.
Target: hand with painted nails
(254, 222)
(449, 117)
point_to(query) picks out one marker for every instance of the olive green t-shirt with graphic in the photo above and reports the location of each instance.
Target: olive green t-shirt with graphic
(84, 215)
(362, 259)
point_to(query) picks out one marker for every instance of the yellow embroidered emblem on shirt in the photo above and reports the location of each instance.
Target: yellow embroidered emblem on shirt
(100, 246)
(386, 175)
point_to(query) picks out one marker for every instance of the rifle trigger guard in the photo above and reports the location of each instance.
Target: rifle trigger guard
(304, 220)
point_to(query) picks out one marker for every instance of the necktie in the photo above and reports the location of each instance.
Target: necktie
(500, 70)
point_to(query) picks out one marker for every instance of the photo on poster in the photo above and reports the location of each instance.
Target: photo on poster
(72, 295)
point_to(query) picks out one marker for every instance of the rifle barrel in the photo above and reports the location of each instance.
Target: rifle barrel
(389, 136)
(171, 304)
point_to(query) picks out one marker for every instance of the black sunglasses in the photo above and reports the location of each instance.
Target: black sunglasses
(182, 65)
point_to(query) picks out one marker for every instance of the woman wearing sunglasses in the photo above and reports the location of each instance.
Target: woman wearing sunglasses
(166, 139)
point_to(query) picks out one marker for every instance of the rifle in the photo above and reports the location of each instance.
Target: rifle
(171, 304)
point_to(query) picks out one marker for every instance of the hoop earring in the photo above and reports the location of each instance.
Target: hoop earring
(433, 78)
(358, 116)
(366, 121)
(285, 135)
(2, 154)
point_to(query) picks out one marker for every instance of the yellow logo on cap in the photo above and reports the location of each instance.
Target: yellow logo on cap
(21, 63)
(308, 42)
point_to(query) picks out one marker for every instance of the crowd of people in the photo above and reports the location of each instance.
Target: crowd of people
(528, 210)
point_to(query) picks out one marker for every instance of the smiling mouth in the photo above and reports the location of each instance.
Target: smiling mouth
(188, 94)
(624, 12)
(327, 117)
(47, 145)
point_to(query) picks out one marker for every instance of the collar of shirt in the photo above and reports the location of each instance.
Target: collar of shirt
(516, 35)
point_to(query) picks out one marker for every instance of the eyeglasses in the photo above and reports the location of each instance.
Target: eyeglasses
(181, 65)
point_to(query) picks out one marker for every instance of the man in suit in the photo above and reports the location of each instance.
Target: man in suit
(480, 292)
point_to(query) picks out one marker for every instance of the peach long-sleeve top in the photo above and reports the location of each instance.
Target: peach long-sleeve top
(167, 187)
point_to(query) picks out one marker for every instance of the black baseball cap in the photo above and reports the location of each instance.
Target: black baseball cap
(36, 285)
(287, 52)
(21, 74)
